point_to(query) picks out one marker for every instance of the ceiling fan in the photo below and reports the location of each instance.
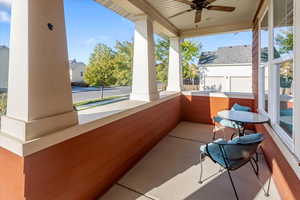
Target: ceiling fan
(199, 5)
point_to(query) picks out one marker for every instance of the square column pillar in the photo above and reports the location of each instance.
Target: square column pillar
(39, 89)
(144, 86)
(175, 66)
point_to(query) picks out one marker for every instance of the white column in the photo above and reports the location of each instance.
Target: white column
(144, 86)
(175, 67)
(39, 91)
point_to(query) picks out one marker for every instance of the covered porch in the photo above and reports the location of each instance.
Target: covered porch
(171, 170)
(51, 151)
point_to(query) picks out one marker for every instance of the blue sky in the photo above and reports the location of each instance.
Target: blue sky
(89, 23)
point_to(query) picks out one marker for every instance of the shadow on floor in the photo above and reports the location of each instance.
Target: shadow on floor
(170, 171)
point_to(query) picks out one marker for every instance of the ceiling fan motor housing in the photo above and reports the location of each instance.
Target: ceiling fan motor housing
(199, 4)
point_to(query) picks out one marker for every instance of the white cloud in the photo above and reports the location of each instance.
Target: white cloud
(91, 42)
(4, 16)
(5, 2)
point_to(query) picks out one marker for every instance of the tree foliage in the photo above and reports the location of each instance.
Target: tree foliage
(100, 71)
(109, 67)
(113, 66)
(162, 60)
(123, 63)
(190, 56)
(285, 41)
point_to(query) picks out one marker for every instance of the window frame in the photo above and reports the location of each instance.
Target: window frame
(262, 67)
(274, 81)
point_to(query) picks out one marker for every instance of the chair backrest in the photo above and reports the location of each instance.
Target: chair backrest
(238, 107)
(233, 152)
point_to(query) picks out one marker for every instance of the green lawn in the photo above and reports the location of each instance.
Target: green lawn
(83, 103)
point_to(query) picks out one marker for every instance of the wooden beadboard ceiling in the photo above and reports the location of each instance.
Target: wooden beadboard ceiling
(245, 11)
(213, 21)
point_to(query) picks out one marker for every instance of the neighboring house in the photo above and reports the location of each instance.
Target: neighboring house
(77, 71)
(228, 69)
(4, 57)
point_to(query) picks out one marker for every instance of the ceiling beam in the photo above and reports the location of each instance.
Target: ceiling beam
(260, 10)
(216, 30)
(156, 16)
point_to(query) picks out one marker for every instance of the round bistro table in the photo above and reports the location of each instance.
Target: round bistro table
(243, 118)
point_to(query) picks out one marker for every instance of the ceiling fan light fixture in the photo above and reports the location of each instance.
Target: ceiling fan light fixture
(199, 5)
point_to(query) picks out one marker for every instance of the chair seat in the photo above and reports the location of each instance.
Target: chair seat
(236, 151)
(216, 155)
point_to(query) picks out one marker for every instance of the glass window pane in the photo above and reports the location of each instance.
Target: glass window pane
(264, 40)
(283, 28)
(266, 88)
(264, 56)
(286, 96)
(4, 53)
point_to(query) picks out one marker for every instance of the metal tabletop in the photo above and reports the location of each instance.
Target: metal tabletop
(243, 117)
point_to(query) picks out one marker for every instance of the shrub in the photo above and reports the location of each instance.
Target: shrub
(3, 103)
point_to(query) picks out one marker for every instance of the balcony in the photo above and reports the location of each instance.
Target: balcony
(146, 147)
(171, 171)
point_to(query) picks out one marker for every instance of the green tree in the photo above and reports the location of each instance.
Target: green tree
(190, 56)
(285, 41)
(123, 63)
(162, 59)
(100, 70)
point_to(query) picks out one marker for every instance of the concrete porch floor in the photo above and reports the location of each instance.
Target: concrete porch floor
(170, 171)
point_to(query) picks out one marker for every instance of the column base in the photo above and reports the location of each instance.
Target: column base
(26, 131)
(144, 97)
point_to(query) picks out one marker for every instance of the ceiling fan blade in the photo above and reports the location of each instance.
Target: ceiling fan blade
(210, 1)
(198, 16)
(180, 13)
(221, 8)
(186, 2)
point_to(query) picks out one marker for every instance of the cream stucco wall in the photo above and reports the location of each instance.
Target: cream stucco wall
(227, 78)
(4, 54)
(76, 71)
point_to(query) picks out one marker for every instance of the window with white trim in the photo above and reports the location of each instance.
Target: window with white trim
(277, 68)
(283, 67)
(264, 61)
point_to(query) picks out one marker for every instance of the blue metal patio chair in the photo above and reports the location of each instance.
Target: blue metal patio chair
(233, 154)
(220, 123)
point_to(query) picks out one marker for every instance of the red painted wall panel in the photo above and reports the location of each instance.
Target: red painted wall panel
(202, 109)
(84, 167)
(285, 179)
(11, 176)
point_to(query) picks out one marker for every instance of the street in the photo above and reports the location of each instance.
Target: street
(85, 94)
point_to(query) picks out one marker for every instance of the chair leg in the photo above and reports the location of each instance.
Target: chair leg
(231, 181)
(232, 136)
(259, 181)
(214, 136)
(256, 170)
(201, 169)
